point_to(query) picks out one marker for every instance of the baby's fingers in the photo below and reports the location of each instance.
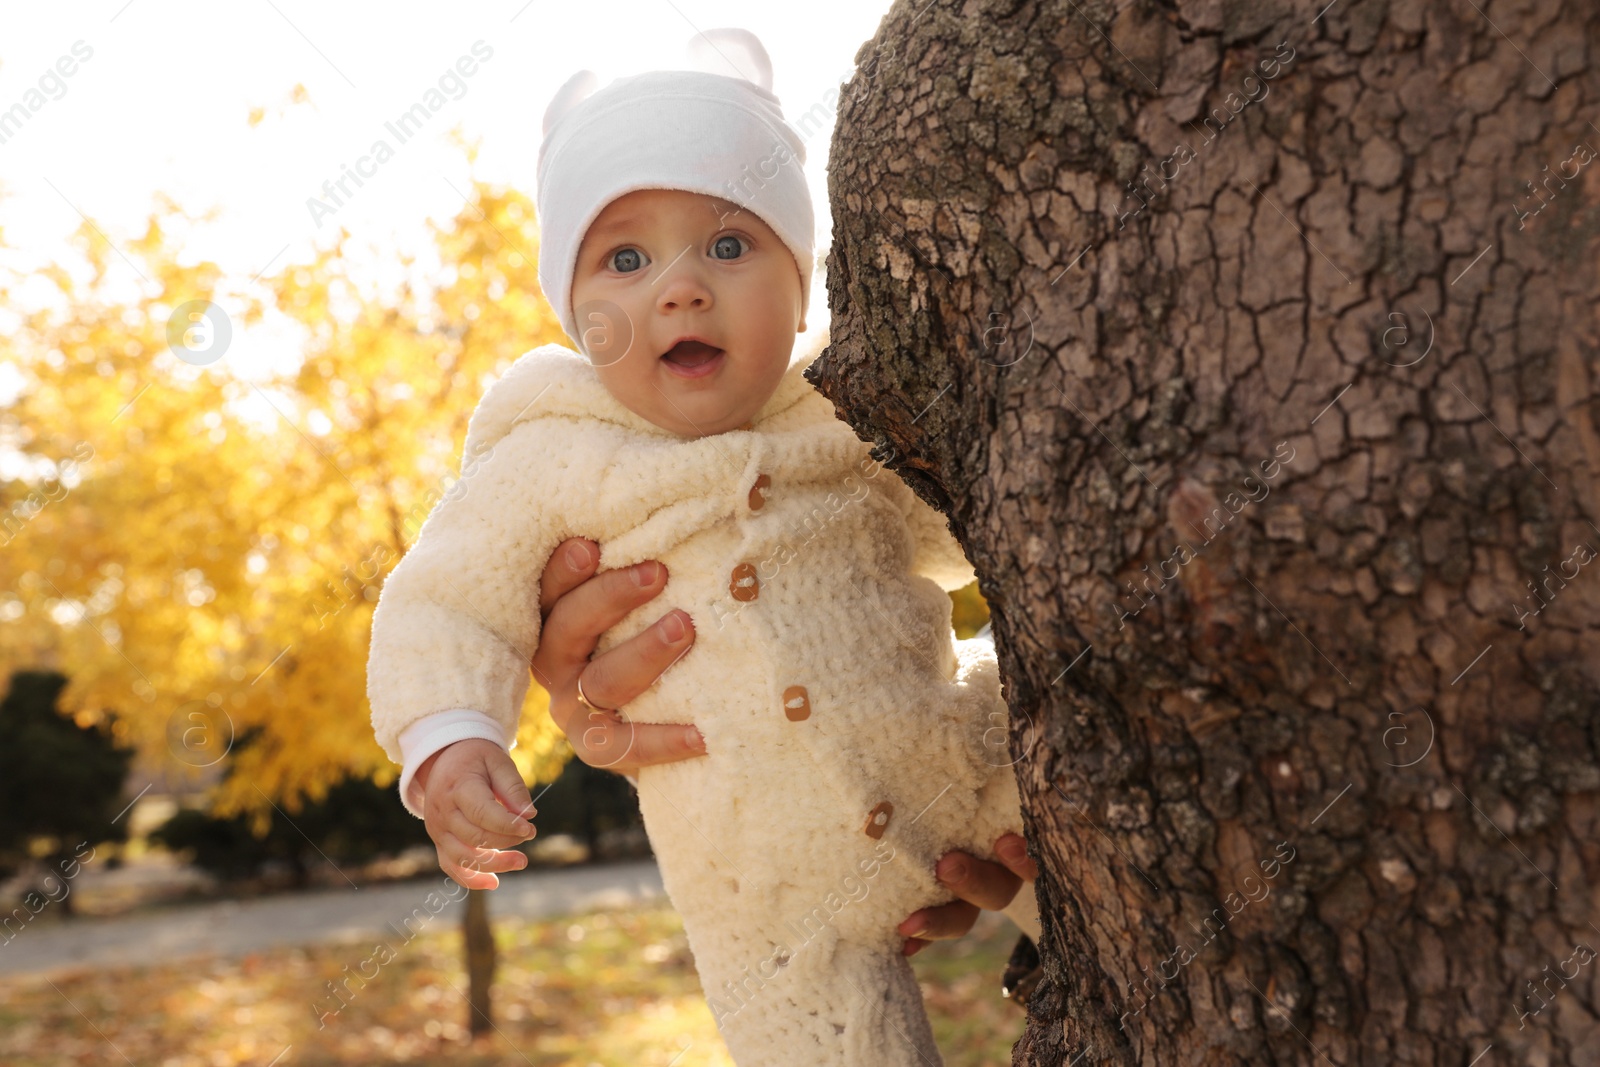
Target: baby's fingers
(464, 829)
(483, 797)
(512, 792)
(474, 867)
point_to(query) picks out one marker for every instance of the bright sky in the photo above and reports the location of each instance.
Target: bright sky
(160, 93)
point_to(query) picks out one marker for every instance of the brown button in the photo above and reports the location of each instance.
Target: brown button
(744, 585)
(878, 818)
(796, 703)
(757, 501)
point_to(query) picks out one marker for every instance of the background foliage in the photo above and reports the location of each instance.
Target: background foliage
(200, 547)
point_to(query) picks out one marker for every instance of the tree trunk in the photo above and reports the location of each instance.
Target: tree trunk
(478, 936)
(1236, 342)
(299, 869)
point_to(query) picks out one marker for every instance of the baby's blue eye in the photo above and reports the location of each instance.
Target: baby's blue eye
(723, 250)
(626, 260)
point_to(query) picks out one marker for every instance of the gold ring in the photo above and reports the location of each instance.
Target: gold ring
(585, 700)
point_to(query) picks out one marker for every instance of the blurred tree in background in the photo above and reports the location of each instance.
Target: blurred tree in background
(587, 803)
(357, 821)
(201, 546)
(60, 783)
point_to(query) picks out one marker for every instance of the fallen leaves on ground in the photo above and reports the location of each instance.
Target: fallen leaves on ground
(603, 988)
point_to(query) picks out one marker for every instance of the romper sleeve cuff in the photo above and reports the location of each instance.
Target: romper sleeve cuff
(431, 733)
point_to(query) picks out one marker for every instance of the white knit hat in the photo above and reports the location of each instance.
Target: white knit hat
(698, 130)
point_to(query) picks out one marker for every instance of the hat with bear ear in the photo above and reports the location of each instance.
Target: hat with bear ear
(714, 128)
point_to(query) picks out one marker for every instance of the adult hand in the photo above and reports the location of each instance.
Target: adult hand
(979, 884)
(577, 606)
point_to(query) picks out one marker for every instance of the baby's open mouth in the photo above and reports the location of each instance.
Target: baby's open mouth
(691, 353)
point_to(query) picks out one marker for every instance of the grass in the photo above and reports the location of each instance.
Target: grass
(602, 988)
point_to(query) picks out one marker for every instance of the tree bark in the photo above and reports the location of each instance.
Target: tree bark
(1252, 353)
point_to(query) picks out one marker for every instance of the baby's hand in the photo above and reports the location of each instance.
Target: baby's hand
(476, 807)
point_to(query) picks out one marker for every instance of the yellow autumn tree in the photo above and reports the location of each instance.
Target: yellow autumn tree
(198, 545)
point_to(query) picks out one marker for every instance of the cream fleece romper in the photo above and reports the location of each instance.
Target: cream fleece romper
(850, 739)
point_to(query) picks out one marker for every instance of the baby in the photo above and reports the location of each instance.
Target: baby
(845, 727)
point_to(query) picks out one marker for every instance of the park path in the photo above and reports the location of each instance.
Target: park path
(234, 928)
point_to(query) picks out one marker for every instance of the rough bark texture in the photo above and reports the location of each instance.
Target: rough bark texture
(1276, 454)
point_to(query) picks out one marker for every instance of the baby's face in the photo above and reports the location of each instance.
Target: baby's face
(661, 265)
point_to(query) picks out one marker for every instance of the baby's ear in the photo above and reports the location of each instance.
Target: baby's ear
(569, 96)
(734, 52)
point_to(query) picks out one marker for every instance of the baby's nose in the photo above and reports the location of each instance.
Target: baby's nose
(681, 286)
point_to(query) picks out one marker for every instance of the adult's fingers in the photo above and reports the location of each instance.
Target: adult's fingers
(1013, 852)
(575, 622)
(569, 566)
(572, 628)
(603, 739)
(979, 884)
(988, 885)
(620, 674)
(938, 923)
